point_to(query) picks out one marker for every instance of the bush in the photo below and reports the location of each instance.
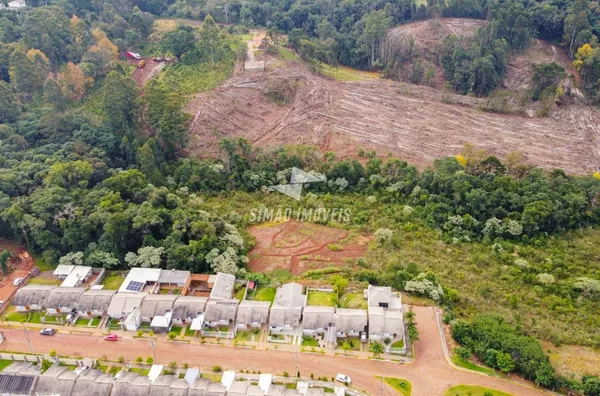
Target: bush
(217, 369)
(139, 359)
(149, 360)
(140, 333)
(121, 359)
(462, 353)
(52, 353)
(172, 335)
(173, 365)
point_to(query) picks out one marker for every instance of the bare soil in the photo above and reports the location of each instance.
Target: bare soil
(19, 266)
(416, 123)
(144, 74)
(299, 247)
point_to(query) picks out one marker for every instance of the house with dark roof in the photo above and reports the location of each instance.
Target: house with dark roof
(94, 302)
(63, 300)
(187, 308)
(286, 311)
(31, 297)
(252, 314)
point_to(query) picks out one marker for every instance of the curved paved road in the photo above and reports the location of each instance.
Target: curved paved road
(430, 374)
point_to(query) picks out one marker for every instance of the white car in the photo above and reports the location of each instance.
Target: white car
(343, 378)
(17, 281)
(363, 337)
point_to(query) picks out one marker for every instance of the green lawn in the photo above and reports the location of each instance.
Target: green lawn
(141, 371)
(4, 364)
(43, 281)
(309, 341)
(403, 386)
(96, 322)
(239, 295)
(243, 336)
(471, 390)
(112, 281)
(176, 330)
(354, 343)
(264, 294)
(82, 322)
(353, 300)
(17, 316)
(343, 73)
(320, 298)
(472, 366)
(189, 332)
(398, 344)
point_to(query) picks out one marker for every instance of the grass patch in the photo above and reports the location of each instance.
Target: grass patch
(328, 390)
(113, 281)
(403, 386)
(398, 344)
(243, 336)
(82, 322)
(320, 298)
(189, 332)
(176, 330)
(310, 341)
(343, 73)
(264, 294)
(214, 377)
(114, 370)
(4, 364)
(43, 281)
(190, 79)
(354, 343)
(472, 390)
(96, 322)
(353, 300)
(472, 366)
(68, 366)
(287, 54)
(141, 371)
(239, 295)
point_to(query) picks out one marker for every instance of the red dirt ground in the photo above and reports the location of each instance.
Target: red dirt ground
(152, 68)
(20, 265)
(300, 246)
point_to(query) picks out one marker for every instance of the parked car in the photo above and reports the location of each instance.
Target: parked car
(47, 331)
(17, 281)
(111, 337)
(343, 378)
(363, 337)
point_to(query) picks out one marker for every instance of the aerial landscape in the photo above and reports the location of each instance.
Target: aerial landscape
(254, 198)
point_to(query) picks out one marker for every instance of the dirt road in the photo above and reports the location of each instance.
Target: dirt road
(430, 374)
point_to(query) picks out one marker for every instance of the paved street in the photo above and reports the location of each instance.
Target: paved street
(430, 374)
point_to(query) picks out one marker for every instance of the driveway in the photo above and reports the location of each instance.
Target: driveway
(430, 374)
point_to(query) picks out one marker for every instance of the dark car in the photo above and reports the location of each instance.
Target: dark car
(47, 331)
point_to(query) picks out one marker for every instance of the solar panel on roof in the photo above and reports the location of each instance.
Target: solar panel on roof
(135, 286)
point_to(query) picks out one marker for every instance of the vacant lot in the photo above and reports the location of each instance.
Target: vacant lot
(299, 247)
(415, 123)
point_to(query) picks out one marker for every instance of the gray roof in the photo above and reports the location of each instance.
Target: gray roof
(318, 317)
(125, 303)
(348, 320)
(173, 276)
(216, 389)
(253, 312)
(157, 305)
(131, 384)
(57, 380)
(64, 297)
(199, 387)
(290, 296)
(254, 390)
(393, 322)
(376, 320)
(188, 307)
(16, 384)
(221, 310)
(32, 295)
(238, 388)
(315, 392)
(95, 300)
(276, 390)
(93, 383)
(168, 385)
(223, 287)
(281, 316)
(379, 294)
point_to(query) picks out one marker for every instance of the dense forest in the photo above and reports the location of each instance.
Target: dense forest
(93, 172)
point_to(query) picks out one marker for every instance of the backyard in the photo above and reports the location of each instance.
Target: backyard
(353, 300)
(113, 280)
(320, 298)
(264, 294)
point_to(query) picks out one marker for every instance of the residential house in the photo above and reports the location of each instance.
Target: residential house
(62, 271)
(199, 387)
(57, 380)
(123, 304)
(94, 302)
(223, 287)
(238, 388)
(385, 313)
(63, 299)
(77, 277)
(220, 312)
(131, 384)
(141, 280)
(187, 308)
(252, 314)
(286, 311)
(93, 383)
(350, 322)
(171, 279)
(31, 297)
(168, 385)
(317, 319)
(157, 309)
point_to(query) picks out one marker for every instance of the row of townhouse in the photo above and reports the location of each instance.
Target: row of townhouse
(219, 314)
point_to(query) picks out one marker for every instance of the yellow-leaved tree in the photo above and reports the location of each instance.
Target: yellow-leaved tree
(582, 54)
(73, 81)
